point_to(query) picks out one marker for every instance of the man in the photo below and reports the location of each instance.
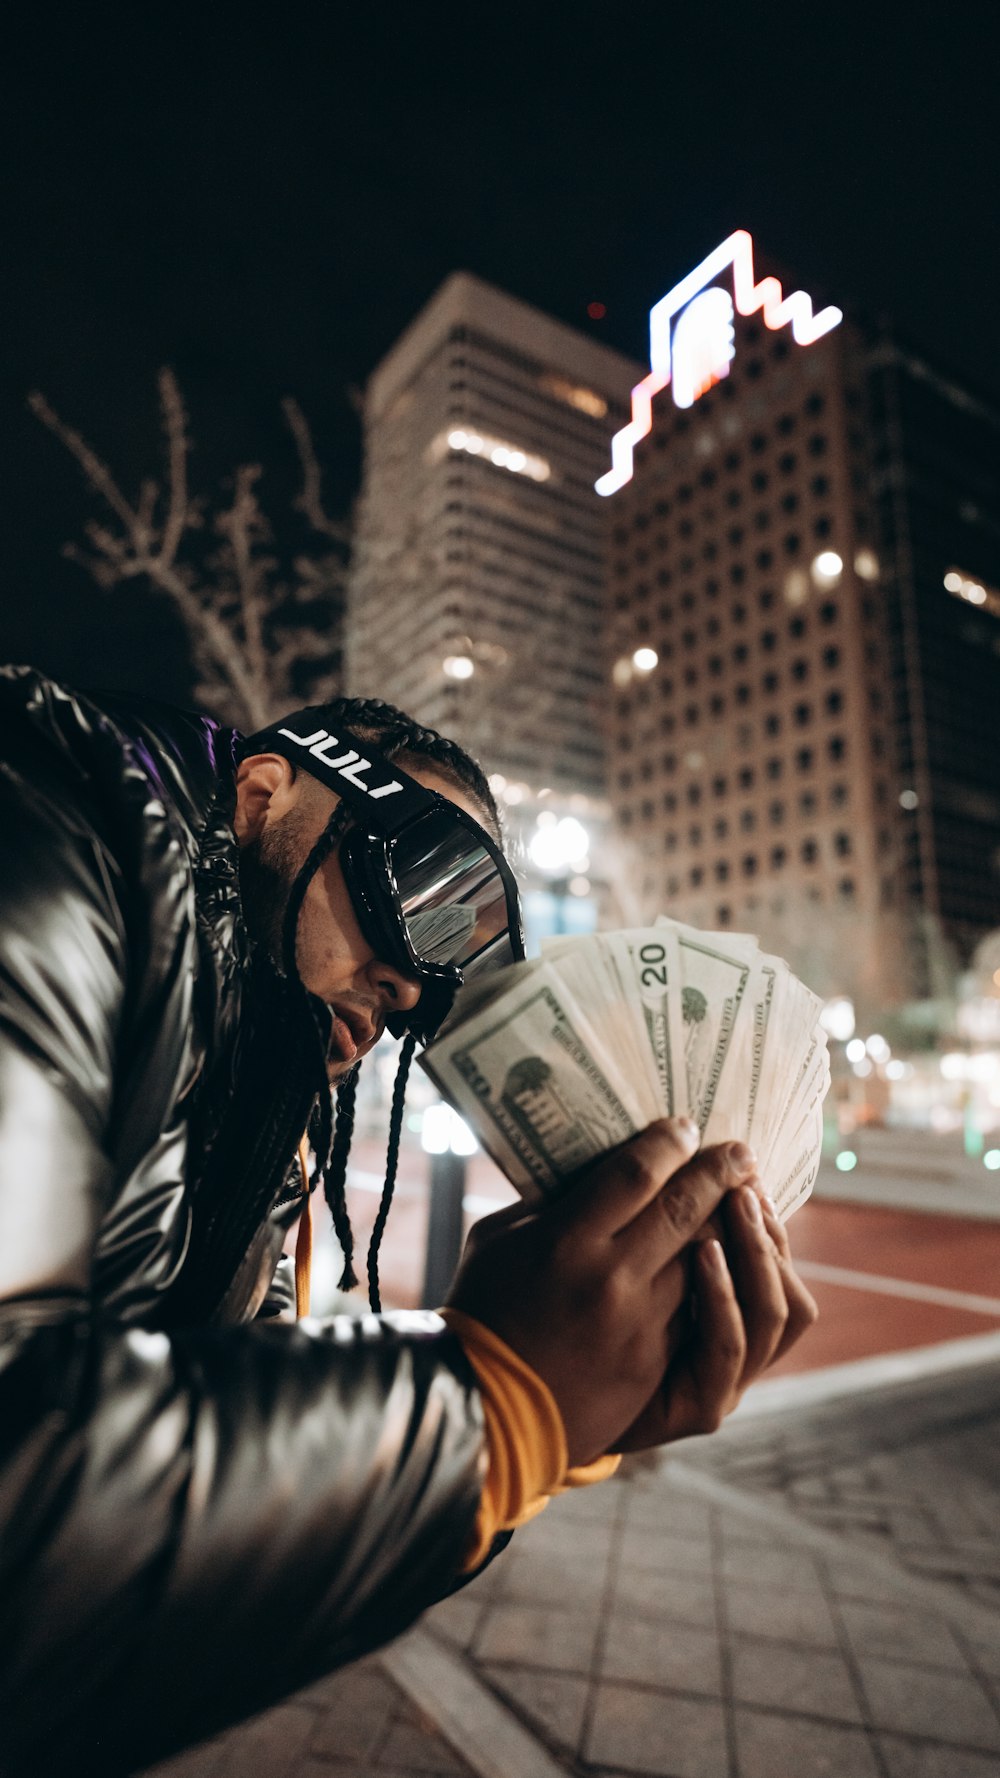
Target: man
(203, 1507)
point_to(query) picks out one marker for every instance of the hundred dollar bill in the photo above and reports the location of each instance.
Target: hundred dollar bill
(525, 1072)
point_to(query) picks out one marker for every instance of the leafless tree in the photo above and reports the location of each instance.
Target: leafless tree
(261, 639)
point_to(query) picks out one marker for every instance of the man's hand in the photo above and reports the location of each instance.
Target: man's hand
(584, 1290)
(746, 1314)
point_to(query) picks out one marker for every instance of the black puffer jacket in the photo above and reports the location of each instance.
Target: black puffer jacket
(199, 1512)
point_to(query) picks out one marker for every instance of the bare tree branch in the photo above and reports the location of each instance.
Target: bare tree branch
(310, 501)
(175, 427)
(97, 473)
(251, 641)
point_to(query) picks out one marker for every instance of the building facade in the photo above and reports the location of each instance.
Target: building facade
(476, 594)
(805, 651)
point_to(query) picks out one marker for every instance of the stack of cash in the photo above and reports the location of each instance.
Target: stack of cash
(552, 1062)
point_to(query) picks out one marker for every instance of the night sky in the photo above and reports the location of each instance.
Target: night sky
(265, 206)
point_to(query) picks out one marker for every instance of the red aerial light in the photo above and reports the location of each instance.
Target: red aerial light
(596, 311)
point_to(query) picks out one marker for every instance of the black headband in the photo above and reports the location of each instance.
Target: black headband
(351, 768)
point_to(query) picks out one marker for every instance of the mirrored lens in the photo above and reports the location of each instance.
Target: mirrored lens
(451, 893)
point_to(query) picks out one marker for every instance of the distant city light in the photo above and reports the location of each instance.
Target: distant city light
(967, 587)
(458, 666)
(895, 1070)
(996, 978)
(645, 659)
(908, 799)
(846, 1161)
(586, 401)
(442, 1130)
(498, 783)
(837, 1019)
(855, 1051)
(556, 844)
(877, 1048)
(953, 1065)
(866, 564)
(596, 311)
(863, 1068)
(827, 567)
(736, 251)
(498, 451)
(991, 1159)
(579, 886)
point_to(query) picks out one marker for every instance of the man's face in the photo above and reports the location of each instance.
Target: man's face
(335, 961)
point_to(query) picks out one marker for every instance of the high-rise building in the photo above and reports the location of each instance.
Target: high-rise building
(805, 647)
(476, 596)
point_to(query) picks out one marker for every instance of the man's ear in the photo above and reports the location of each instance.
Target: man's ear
(266, 789)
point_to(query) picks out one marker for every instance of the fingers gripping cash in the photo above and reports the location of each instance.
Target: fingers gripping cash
(647, 1281)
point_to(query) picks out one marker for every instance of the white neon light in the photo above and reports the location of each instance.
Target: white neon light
(704, 345)
(795, 311)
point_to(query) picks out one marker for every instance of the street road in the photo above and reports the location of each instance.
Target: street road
(887, 1278)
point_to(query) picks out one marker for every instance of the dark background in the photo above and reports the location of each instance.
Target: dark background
(265, 202)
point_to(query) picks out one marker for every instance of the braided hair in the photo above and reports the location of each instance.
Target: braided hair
(400, 738)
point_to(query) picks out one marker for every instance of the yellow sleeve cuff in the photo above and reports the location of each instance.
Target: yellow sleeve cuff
(525, 1440)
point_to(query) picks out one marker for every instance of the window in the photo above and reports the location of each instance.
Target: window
(748, 820)
(807, 802)
(834, 703)
(774, 768)
(748, 865)
(803, 715)
(744, 778)
(836, 747)
(722, 871)
(778, 856)
(842, 845)
(696, 877)
(804, 759)
(694, 795)
(800, 670)
(772, 724)
(776, 814)
(720, 827)
(694, 836)
(831, 658)
(838, 796)
(810, 851)
(719, 786)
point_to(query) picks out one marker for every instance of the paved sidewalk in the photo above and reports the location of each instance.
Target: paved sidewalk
(814, 1591)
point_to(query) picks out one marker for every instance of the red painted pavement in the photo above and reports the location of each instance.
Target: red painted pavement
(950, 1252)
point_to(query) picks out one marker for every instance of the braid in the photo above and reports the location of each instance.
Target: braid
(323, 1144)
(335, 1177)
(391, 1164)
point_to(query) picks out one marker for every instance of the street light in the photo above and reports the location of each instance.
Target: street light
(448, 1140)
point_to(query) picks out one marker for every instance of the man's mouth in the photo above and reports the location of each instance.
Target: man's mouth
(351, 1033)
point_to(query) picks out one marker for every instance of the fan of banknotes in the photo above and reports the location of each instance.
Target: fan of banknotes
(554, 1061)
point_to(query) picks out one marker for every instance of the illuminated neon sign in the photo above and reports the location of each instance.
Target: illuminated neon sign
(695, 351)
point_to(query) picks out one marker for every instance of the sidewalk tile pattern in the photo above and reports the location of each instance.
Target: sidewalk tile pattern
(645, 1630)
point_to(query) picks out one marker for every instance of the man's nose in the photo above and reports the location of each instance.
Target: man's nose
(398, 992)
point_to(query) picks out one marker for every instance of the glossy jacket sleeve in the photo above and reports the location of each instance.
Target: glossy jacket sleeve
(192, 1524)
